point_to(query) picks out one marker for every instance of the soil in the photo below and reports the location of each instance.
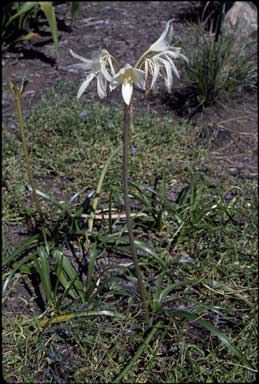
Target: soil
(126, 29)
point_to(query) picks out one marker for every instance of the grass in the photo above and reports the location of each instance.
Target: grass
(198, 253)
(216, 69)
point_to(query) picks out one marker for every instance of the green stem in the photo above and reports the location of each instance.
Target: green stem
(141, 286)
(26, 154)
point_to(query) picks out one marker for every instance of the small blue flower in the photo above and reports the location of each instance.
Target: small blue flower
(84, 113)
(228, 196)
(251, 374)
(110, 125)
(134, 150)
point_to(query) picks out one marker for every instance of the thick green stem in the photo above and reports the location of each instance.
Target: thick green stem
(26, 154)
(141, 286)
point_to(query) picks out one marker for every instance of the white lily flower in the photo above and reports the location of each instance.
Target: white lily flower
(162, 62)
(128, 76)
(164, 40)
(95, 68)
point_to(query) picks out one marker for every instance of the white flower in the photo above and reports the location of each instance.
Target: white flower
(162, 64)
(164, 40)
(95, 67)
(128, 76)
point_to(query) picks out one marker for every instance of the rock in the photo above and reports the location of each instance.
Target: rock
(241, 21)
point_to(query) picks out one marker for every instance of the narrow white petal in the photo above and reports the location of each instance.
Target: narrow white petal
(105, 73)
(169, 77)
(85, 84)
(113, 84)
(101, 86)
(164, 40)
(87, 61)
(82, 66)
(127, 90)
(176, 55)
(155, 73)
(139, 78)
(175, 70)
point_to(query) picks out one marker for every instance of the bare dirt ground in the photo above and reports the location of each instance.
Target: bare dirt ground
(126, 29)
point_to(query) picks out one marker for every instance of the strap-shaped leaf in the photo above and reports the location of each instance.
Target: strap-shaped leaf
(27, 6)
(23, 247)
(71, 316)
(74, 9)
(49, 12)
(214, 331)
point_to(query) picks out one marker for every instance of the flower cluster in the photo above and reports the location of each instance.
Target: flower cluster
(156, 61)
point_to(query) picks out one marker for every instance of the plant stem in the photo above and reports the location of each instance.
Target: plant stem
(141, 286)
(26, 155)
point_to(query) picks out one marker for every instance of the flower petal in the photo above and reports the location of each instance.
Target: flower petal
(127, 90)
(104, 72)
(139, 78)
(164, 40)
(85, 84)
(81, 58)
(169, 76)
(156, 71)
(101, 86)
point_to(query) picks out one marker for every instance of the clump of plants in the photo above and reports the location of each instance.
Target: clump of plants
(214, 69)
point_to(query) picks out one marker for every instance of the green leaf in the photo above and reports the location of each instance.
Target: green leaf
(74, 9)
(140, 245)
(214, 331)
(24, 246)
(90, 270)
(49, 11)
(15, 269)
(47, 197)
(70, 316)
(70, 272)
(139, 352)
(42, 267)
(165, 292)
(27, 6)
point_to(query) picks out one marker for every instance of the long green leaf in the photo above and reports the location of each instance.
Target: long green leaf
(214, 331)
(70, 316)
(139, 352)
(90, 270)
(27, 6)
(15, 269)
(47, 197)
(25, 245)
(149, 251)
(171, 287)
(70, 272)
(49, 11)
(42, 267)
(74, 9)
